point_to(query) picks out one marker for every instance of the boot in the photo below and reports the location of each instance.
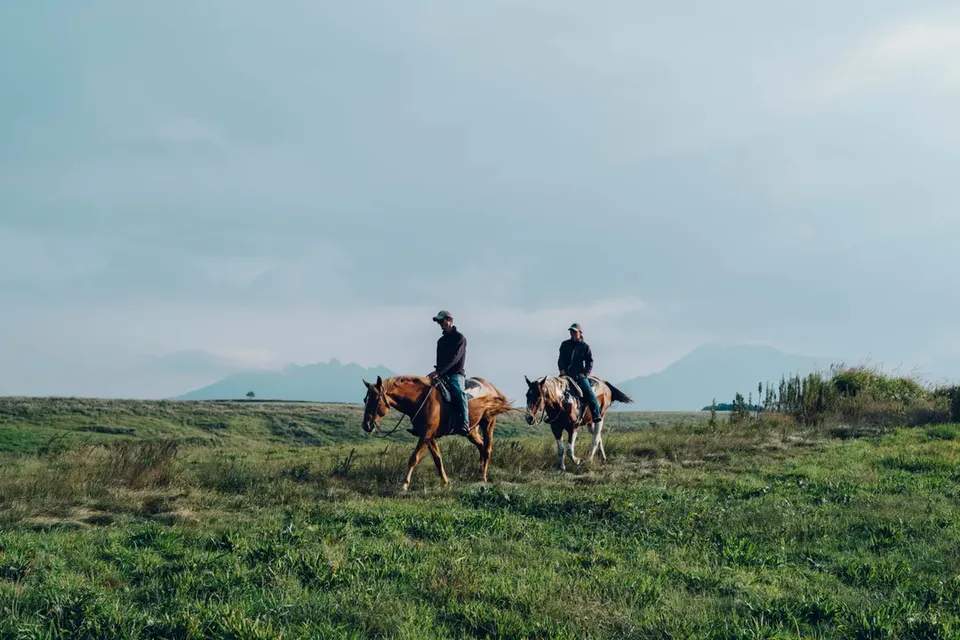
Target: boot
(460, 427)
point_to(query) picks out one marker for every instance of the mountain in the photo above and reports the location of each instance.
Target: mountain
(714, 371)
(322, 382)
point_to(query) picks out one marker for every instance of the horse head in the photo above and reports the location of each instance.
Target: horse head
(536, 398)
(374, 405)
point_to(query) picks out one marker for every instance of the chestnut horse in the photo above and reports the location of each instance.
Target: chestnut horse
(559, 402)
(421, 400)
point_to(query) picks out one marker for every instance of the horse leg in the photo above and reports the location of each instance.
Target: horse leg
(558, 434)
(597, 442)
(487, 425)
(571, 443)
(477, 440)
(414, 460)
(438, 460)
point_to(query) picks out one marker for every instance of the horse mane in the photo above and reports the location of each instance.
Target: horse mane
(397, 380)
(553, 389)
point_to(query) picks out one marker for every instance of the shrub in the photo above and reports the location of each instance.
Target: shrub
(858, 397)
(950, 395)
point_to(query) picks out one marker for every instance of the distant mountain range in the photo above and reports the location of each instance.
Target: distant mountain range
(686, 385)
(322, 382)
(714, 371)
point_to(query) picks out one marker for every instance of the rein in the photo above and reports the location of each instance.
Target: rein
(402, 415)
(544, 416)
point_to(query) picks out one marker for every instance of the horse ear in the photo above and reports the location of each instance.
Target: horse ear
(529, 384)
(365, 383)
(379, 382)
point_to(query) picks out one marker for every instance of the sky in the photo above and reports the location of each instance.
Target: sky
(191, 188)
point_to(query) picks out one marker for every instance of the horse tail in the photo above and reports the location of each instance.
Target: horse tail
(501, 405)
(618, 396)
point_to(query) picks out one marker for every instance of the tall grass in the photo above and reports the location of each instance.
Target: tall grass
(856, 397)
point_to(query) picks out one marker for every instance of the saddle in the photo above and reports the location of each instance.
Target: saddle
(471, 389)
(574, 394)
(573, 388)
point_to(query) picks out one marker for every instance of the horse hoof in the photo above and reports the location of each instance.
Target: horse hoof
(405, 488)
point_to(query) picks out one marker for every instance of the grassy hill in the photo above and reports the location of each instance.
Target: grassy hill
(28, 424)
(759, 528)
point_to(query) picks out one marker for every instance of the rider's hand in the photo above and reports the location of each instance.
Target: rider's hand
(562, 372)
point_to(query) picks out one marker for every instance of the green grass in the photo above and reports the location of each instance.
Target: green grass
(745, 530)
(29, 424)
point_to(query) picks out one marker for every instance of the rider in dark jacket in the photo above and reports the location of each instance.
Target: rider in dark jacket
(576, 361)
(451, 358)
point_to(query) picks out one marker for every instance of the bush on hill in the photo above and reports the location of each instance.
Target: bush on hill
(858, 396)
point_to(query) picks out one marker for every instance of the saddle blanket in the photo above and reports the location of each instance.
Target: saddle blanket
(473, 389)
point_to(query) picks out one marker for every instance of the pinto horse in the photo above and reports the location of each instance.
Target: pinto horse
(421, 400)
(559, 402)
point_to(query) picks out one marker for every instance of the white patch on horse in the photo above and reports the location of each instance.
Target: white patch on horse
(476, 390)
(555, 388)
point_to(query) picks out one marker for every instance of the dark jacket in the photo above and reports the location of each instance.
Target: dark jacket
(451, 353)
(575, 357)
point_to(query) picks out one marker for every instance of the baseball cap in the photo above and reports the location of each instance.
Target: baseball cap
(576, 325)
(442, 315)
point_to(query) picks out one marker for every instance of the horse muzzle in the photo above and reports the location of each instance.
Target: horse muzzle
(369, 426)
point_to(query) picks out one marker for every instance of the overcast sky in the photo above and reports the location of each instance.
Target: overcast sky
(294, 181)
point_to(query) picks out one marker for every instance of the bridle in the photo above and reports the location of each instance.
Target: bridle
(380, 397)
(543, 415)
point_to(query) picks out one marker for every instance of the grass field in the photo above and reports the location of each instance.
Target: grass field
(27, 424)
(249, 529)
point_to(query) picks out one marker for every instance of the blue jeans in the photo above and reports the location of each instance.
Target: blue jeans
(456, 382)
(590, 396)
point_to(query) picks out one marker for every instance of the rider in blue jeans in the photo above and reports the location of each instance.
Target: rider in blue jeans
(451, 358)
(576, 361)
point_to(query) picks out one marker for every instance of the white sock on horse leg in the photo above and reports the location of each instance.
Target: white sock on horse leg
(597, 429)
(573, 443)
(560, 453)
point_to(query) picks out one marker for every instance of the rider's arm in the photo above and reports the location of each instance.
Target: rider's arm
(587, 360)
(560, 360)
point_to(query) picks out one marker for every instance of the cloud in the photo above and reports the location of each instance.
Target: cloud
(526, 323)
(198, 361)
(527, 165)
(157, 348)
(906, 57)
